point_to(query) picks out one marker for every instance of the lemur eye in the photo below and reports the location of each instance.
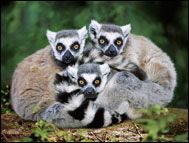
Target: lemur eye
(81, 81)
(75, 46)
(97, 81)
(118, 42)
(102, 41)
(60, 47)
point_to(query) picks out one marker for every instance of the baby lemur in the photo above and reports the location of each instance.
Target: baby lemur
(77, 88)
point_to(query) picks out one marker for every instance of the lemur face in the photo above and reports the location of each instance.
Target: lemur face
(67, 44)
(91, 78)
(111, 39)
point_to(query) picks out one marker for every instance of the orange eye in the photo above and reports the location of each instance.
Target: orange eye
(81, 82)
(118, 42)
(60, 48)
(97, 82)
(102, 41)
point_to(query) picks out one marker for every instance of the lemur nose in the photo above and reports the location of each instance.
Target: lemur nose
(89, 91)
(111, 51)
(68, 57)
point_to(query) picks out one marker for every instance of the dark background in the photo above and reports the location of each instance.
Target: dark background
(24, 25)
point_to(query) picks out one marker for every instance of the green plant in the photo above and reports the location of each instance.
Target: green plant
(40, 133)
(156, 122)
(5, 103)
(182, 137)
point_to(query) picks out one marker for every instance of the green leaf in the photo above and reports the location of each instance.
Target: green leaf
(182, 137)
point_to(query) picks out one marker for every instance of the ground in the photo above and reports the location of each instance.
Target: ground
(14, 128)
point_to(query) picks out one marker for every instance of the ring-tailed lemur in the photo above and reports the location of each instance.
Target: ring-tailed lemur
(32, 88)
(124, 51)
(77, 88)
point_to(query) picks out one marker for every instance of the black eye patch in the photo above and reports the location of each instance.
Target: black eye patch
(97, 81)
(118, 42)
(103, 41)
(75, 46)
(81, 81)
(60, 47)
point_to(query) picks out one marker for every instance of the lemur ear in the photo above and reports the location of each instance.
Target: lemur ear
(51, 36)
(72, 72)
(126, 29)
(83, 33)
(94, 28)
(105, 69)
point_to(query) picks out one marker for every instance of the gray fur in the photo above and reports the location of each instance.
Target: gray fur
(89, 68)
(157, 70)
(139, 94)
(111, 28)
(66, 33)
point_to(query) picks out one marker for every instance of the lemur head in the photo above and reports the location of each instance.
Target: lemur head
(67, 45)
(111, 39)
(91, 78)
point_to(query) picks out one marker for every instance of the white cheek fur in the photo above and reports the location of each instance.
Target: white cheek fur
(111, 36)
(102, 85)
(67, 42)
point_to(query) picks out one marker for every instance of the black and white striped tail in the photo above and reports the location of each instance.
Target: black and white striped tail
(86, 111)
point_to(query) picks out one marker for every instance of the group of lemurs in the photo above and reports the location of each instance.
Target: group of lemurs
(72, 83)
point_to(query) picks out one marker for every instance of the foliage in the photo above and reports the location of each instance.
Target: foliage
(40, 133)
(153, 125)
(156, 123)
(5, 103)
(182, 137)
(47, 132)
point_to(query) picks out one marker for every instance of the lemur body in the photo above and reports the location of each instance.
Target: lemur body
(124, 51)
(77, 88)
(32, 88)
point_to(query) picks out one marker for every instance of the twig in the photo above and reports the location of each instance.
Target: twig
(104, 137)
(4, 136)
(96, 136)
(137, 129)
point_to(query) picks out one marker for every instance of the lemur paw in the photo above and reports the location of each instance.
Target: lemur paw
(52, 112)
(131, 67)
(136, 70)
